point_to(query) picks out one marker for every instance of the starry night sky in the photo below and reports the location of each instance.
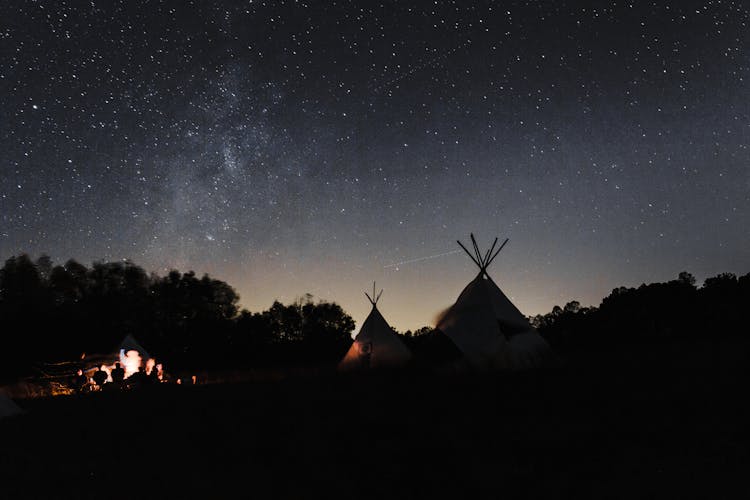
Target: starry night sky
(293, 147)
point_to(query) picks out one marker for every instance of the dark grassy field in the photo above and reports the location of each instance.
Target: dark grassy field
(627, 427)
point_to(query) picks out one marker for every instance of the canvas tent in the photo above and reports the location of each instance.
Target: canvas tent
(485, 325)
(376, 345)
(8, 407)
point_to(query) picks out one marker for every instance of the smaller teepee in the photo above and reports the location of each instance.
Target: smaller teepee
(376, 345)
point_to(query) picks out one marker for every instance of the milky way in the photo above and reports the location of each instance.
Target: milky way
(292, 147)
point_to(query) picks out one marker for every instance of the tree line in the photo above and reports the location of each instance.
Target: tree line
(54, 312)
(657, 312)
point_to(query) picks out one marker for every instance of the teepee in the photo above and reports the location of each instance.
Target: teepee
(376, 345)
(485, 325)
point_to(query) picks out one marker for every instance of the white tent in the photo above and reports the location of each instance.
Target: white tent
(8, 407)
(376, 345)
(485, 325)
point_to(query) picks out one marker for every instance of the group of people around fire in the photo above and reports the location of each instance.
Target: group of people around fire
(115, 379)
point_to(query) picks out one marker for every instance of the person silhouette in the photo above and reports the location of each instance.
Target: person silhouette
(153, 377)
(100, 377)
(81, 381)
(118, 374)
(138, 378)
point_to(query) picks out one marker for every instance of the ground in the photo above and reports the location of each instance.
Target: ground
(603, 430)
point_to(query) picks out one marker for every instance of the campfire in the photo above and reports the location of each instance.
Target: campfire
(131, 362)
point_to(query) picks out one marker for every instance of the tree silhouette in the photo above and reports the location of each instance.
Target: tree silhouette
(304, 331)
(55, 312)
(23, 310)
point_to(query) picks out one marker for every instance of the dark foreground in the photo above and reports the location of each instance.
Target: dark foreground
(621, 428)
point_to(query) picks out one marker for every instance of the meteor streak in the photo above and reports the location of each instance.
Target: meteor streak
(396, 264)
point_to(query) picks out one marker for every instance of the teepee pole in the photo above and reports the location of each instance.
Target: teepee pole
(476, 250)
(374, 298)
(489, 252)
(469, 254)
(498, 251)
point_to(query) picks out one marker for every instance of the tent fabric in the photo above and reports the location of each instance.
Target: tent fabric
(130, 344)
(375, 346)
(490, 331)
(528, 350)
(8, 407)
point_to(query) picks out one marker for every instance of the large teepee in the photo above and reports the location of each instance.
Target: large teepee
(376, 345)
(485, 325)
